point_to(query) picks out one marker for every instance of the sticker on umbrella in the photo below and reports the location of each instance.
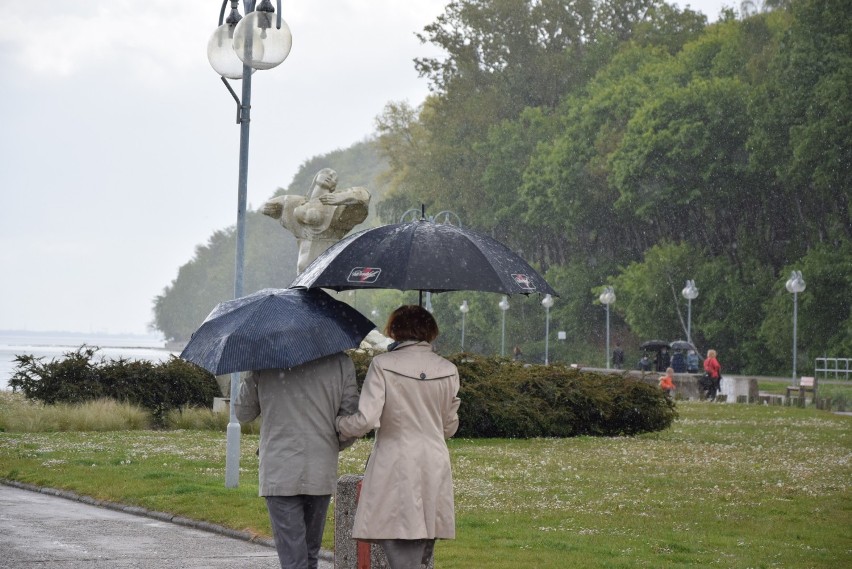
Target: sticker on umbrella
(363, 275)
(524, 281)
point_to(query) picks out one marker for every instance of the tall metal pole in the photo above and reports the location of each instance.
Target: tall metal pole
(462, 338)
(503, 337)
(546, 335)
(607, 338)
(689, 320)
(232, 450)
(795, 312)
(795, 284)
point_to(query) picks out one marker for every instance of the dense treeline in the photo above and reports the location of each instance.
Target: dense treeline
(630, 143)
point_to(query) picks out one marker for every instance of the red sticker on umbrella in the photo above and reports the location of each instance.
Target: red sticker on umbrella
(363, 275)
(524, 281)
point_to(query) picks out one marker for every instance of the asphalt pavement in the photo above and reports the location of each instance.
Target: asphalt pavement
(47, 528)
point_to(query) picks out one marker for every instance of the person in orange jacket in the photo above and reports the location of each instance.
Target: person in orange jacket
(667, 382)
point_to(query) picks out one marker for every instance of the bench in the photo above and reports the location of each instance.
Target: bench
(805, 384)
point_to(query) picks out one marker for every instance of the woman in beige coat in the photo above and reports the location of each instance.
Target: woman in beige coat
(410, 398)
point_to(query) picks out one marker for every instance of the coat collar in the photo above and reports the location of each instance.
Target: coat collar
(413, 345)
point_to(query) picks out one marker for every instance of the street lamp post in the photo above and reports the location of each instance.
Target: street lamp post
(607, 297)
(236, 49)
(690, 293)
(547, 302)
(795, 284)
(504, 306)
(464, 309)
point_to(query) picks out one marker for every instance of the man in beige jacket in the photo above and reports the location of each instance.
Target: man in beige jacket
(298, 447)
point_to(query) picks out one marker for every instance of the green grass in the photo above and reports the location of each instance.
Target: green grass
(734, 486)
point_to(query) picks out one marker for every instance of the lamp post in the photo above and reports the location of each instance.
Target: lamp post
(236, 49)
(690, 293)
(504, 306)
(607, 297)
(795, 284)
(547, 302)
(464, 309)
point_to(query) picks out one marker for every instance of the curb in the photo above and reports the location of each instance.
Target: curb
(162, 516)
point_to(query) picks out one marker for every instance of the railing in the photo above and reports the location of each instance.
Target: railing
(840, 367)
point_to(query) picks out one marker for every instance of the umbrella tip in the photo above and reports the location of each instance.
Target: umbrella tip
(422, 212)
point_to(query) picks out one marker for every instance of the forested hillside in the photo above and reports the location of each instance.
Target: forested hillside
(631, 144)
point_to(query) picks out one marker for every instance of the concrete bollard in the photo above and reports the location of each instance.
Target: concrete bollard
(351, 553)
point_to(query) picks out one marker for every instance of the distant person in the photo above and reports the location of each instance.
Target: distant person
(664, 359)
(667, 382)
(618, 357)
(679, 361)
(410, 398)
(692, 361)
(712, 374)
(298, 447)
(517, 354)
(645, 363)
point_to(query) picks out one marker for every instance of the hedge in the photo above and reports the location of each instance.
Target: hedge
(78, 377)
(508, 399)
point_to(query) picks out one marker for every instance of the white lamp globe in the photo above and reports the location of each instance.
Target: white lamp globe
(221, 55)
(259, 43)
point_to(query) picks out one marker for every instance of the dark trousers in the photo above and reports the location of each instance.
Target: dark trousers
(297, 525)
(407, 553)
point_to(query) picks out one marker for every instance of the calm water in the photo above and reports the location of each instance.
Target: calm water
(56, 345)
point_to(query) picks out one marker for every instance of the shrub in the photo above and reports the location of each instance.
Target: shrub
(77, 378)
(502, 398)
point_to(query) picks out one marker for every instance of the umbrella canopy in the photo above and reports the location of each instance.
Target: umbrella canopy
(275, 328)
(423, 256)
(654, 345)
(682, 345)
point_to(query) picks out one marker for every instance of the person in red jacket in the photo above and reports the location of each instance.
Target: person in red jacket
(713, 373)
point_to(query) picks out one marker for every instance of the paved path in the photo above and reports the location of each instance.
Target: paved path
(42, 530)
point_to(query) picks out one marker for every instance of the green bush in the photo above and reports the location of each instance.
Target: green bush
(78, 378)
(506, 399)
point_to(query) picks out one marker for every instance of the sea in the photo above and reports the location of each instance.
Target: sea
(54, 345)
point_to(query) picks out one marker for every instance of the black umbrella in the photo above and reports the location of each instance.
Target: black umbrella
(654, 345)
(275, 328)
(423, 256)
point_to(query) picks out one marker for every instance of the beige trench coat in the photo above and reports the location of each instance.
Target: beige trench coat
(298, 406)
(410, 397)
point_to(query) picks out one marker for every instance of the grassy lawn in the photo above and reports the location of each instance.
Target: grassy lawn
(734, 486)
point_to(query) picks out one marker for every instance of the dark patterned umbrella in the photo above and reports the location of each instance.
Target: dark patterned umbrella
(422, 256)
(274, 328)
(654, 345)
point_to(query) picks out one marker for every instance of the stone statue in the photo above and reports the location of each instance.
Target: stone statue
(320, 218)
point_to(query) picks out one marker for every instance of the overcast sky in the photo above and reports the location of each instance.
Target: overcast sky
(119, 147)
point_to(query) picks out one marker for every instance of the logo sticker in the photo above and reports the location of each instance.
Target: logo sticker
(363, 275)
(524, 281)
